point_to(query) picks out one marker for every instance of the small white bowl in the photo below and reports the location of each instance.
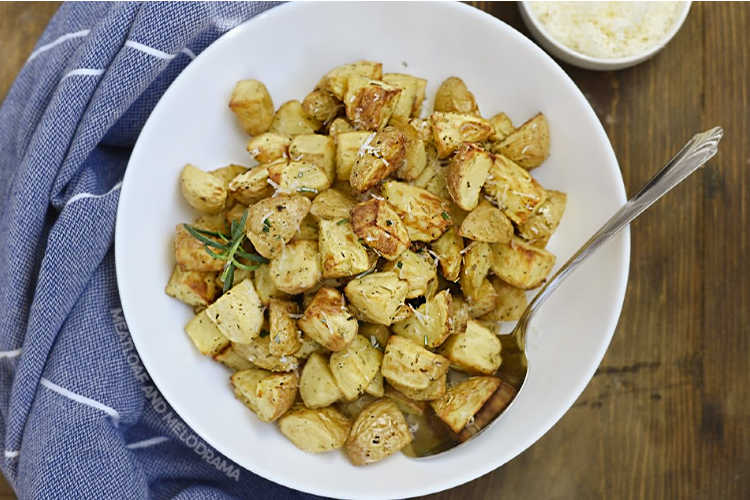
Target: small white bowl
(575, 58)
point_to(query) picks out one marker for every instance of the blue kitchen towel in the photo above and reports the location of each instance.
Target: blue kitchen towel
(79, 417)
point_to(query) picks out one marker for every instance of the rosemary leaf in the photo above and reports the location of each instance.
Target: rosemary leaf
(206, 241)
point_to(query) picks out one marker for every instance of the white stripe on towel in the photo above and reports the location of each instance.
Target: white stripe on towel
(146, 443)
(188, 53)
(11, 453)
(81, 196)
(81, 399)
(148, 50)
(61, 39)
(84, 72)
(10, 354)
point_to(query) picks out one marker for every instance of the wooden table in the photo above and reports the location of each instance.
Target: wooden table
(668, 413)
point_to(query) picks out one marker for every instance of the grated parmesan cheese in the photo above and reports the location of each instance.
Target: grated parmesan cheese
(607, 29)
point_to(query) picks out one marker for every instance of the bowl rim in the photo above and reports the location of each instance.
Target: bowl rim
(438, 484)
(602, 61)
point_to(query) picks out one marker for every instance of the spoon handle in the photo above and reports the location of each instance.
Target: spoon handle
(693, 155)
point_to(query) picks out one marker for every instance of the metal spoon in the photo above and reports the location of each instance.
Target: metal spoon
(693, 155)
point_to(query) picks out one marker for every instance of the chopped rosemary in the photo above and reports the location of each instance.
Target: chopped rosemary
(304, 189)
(446, 215)
(264, 333)
(399, 264)
(342, 221)
(425, 341)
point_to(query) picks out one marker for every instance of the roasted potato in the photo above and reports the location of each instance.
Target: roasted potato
(377, 224)
(332, 204)
(449, 130)
(539, 227)
(315, 431)
(378, 297)
(415, 159)
(461, 402)
(310, 347)
(317, 149)
(410, 365)
(501, 127)
(477, 350)
(341, 252)
(354, 367)
(194, 288)
(510, 303)
(454, 97)
(467, 172)
(321, 105)
(528, 145)
(434, 390)
(476, 266)
(190, 253)
(204, 334)
(369, 103)
(269, 147)
(317, 387)
(481, 300)
(265, 286)
(336, 80)
(449, 250)
(377, 334)
(202, 190)
(339, 126)
(252, 104)
(297, 267)
(376, 387)
(459, 313)
(226, 174)
(328, 321)
(417, 269)
(411, 89)
(515, 192)
(520, 264)
(238, 314)
(378, 157)
(272, 222)
(487, 223)
(258, 352)
(380, 430)
(267, 394)
(282, 326)
(307, 179)
(232, 360)
(430, 323)
(425, 215)
(348, 145)
(290, 119)
(252, 185)
(308, 229)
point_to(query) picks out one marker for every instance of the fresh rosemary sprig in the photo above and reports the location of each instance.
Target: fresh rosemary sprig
(230, 248)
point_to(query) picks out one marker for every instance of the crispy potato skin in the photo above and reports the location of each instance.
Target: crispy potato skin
(369, 103)
(252, 185)
(335, 81)
(297, 268)
(448, 248)
(315, 431)
(425, 215)
(380, 430)
(348, 145)
(501, 127)
(541, 224)
(269, 147)
(412, 93)
(379, 156)
(449, 130)
(317, 387)
(203, 190)
(430, 322)
(267, 394)
(454, 97)
(411, 365)
(528, 145)
(321, 105)
(378, 297)
(205, 336)
(467, 172)
(291, 120)
(341, 253)
(285, 337)
(520, 264)
(252, 104)
(327, 320)
(462, 401)
(487, 223)
(194, 288)
(273, 222)
(378, 224)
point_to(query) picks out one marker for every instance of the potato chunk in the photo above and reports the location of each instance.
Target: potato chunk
(315, 431)
(417, 269)
(380, 430)
(285, 337)
(354, 367)
(204, 334)
(520, 264)
(190, 253)
(459, 314)
(510, 302)
(290, 119)
(297, 268)
(464, 400)
(269, 147)
(435, 390)
(416, 158)
(258, 352)
(481, 300)
(378, 224)
(376, 386)
(332, 204)
(410, 90)
(487, 223)
(265, 286)
(272, 222)
(328, 321)
(252, 185)
(449, 248)
(339, 126)
(516, 193)
(378, 297)
(341, 253)
(194, 288)
(377, 334)
(466, 175)
(267, 394)
(454, 97)
(232, 360)
(321, 105)
(540, 226)
(477, 350)
(476, 266)
(316, 149)
(335, 81)
(252, 104)
(380, 155)
(348, 145)
(425, 215)
(292, 177)
(203, 191)
(369, 103)
(430, 323)
(238, 314)
(317, 387)
(449, 130)
(528, 145)
(501, 127)
(411, 365)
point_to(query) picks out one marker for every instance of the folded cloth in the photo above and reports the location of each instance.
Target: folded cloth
(79, 417)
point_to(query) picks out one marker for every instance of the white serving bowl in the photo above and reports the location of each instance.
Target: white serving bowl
(575, 58)
(289, 48)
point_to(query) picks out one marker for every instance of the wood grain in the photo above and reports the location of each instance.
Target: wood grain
(667, 414)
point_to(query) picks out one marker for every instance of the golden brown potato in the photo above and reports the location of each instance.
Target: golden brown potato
(317, 149)
(449, 130)
(267, 394)
(430, 323)
(494, 406)
(516, 193)
(481, 300)
(307, 179)
(377, 334)
(477, 258)
(252, 185)
(252, 104)
(477, 350)
(379, 431)
(264, 285)
(297, 267)
(310, 347)
(328, 321)
(321, 105)
(423, 128)
(425, 215)
(454, 97)
(226, 174)
(348, 145)
(376, 386)
(308, 229)
(501, 127)
(528, 145)
(272, 222)
(434, 179)
(435, 390)
(202, 190)
(353, 408)
(290, 119)
(461, 402)
(317, 387)
(411, 365)
(520, 264)
(282, 327)
(415, 159)
(194, 288)
(449, 248)
(269, 147)
(467, 172)
(459, 314)
(258, 352)
(238, 314)
(417, 269)
(190, 253)
(204, 334)
(539, 227)
(369, 103)
(378, 157)
(332, 204)
(410, 86)
(379, 226)
(335, 81)
(487, 223)
(510, 303)
(354, 367)
(229, 358)
(315, 431)
(339, 126)
(378, 297)
(341, 252)
(405, 404)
